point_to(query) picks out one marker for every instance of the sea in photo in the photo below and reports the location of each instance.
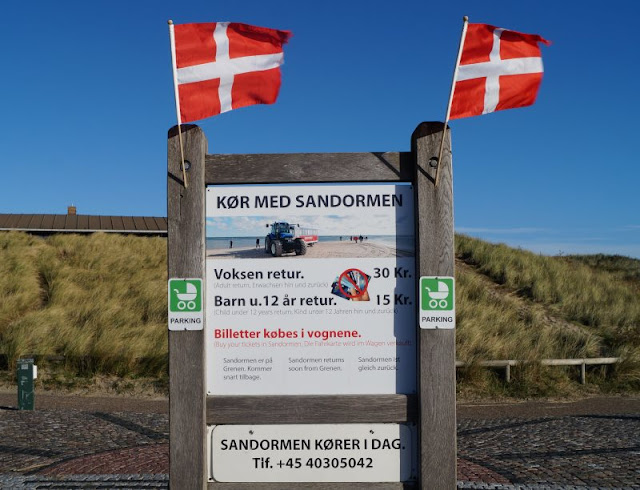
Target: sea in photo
(404, 243)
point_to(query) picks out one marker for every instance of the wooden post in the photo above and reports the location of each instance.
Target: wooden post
(186, 259)
(436, 350)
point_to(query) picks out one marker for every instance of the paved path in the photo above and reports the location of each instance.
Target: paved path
(74, 442)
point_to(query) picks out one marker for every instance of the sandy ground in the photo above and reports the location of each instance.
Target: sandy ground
(320, 250)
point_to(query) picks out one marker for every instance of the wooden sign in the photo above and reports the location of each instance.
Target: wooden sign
(431, 408)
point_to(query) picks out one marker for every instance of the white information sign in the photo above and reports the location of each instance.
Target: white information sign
(312, 453)
(310, 289)
(437, 302)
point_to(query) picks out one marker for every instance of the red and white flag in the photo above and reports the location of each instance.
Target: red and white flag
(499, 69)
(222, 66)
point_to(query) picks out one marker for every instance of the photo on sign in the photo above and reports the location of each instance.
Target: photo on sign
(296, 236)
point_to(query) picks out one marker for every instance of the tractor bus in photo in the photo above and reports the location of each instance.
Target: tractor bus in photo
(284, 237)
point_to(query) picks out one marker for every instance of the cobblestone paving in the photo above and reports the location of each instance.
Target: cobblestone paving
(584, 451)
(68, 448)
(85, 481)
(33, 440)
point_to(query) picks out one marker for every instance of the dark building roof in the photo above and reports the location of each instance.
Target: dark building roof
(45, 224)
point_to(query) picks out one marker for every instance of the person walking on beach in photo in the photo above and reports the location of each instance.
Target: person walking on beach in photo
(361, 239)
(257, 243)
(355, 238)
(230, 243)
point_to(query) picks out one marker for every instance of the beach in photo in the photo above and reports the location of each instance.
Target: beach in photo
(320, 250)
(313, 221)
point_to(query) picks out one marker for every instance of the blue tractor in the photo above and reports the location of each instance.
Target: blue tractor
(282, 239)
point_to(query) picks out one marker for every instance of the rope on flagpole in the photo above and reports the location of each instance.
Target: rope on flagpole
(177, 98)
(465, 21)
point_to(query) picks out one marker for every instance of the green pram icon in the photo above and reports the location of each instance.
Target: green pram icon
(439, 297)
(186, 299)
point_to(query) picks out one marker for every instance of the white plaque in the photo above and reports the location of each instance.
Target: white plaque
(312, 453)
(437, 302)
(185, 304)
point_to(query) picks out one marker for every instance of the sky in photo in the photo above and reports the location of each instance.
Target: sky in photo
(346, 225)
(87, 100)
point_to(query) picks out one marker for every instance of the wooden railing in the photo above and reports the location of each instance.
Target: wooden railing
(583, 363)
(506, 364)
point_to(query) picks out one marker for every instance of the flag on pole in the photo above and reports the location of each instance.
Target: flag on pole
(222, 66)
(498, 69)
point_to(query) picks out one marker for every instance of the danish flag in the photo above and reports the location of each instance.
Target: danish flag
(499, 69)
(222, 66)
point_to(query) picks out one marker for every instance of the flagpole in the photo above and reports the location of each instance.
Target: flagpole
(177, 97)
(465, 21)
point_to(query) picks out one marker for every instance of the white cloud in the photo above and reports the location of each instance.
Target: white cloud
(575, 247)
(498, 231)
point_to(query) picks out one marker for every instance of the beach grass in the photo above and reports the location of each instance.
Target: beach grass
(98, 300)
(514, 304)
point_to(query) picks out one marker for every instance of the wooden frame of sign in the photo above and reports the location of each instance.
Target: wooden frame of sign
(432, 409)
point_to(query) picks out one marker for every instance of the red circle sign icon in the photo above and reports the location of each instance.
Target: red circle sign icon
(355, 281)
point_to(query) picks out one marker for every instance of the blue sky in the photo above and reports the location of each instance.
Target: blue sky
(87, 100)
